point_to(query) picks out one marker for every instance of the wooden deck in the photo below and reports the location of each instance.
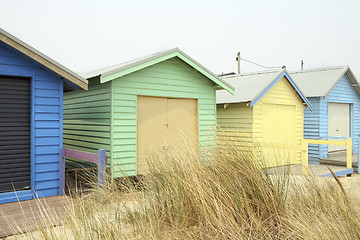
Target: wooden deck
(20, 217)
(296, 169)
(339, 159)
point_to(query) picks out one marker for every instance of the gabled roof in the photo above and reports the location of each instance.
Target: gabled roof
(41, 58)
(320, 81)
(251, 87)
(122, 69)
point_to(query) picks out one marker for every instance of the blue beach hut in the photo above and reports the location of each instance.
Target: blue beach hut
(334, 95)
(31, 110)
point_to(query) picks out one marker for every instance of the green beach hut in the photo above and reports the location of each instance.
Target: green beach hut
(142, 104)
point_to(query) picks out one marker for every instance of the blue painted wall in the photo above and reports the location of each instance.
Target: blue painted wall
(316, 121)
(312, 126)
(46, 122)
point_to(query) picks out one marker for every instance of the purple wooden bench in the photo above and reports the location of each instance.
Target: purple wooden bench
(100, 159)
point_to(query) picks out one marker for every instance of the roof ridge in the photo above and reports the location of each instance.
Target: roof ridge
(110, 73)
(254, 73)
(320, 69)
(128, 61)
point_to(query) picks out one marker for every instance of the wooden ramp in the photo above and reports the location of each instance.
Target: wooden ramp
(20, 217)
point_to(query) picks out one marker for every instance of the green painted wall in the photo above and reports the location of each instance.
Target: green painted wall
(170, 78)
(87, 118)
(105, 115)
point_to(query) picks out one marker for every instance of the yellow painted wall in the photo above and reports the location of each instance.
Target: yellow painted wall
(235, 116)
(235, 123)
(280, 101)
(281, 93)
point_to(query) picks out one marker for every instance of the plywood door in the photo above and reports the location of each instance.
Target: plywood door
(279, 134)
(152, 129)
(339, 123)
(164, 124)
(183, 122)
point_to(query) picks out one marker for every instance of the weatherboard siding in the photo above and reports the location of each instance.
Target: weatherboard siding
(342, 92)
(235, 124)
(281, 93)
(240, 117)
(312, 126)
(46, 123)
(171, 78)
(237, 116)
(316, 121)
(87, 118)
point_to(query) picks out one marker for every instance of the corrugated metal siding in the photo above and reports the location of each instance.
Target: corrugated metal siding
(342, 92)
(87, 118)
(171, 78)
(280, 93)
(46, 121)
(312, 126)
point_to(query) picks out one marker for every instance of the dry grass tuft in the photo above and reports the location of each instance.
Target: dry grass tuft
(225, 194)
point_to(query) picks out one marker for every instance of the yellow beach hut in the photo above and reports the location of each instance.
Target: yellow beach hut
(268, 107)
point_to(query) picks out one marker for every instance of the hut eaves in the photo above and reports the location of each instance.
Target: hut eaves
(320, 81)
(250, 87)
(122, 69)
(41, 58)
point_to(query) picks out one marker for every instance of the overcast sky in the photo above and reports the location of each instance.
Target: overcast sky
(87, 35)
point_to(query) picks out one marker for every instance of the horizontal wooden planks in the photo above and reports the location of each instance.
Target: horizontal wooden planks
(46, 110)
(235, 116)
(87, 118)
(312, 127)
(343, 92)
(281, 93)
(171, 78)
(48, 133)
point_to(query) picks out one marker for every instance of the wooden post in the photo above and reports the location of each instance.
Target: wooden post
(62, 172)
(348, 153)
(101, 168)
(304, 157)
(238, 59)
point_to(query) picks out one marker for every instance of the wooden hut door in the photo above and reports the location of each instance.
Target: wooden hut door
(14, 134)
(162, 124)
(279, 134)
(339, 123)
(183, 122)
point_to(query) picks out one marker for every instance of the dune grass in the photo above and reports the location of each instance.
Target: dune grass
(230, 196)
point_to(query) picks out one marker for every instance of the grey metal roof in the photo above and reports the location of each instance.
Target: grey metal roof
(35, 54)
(124, 65)
(247, 86)
(128, 64)
(320, 81)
